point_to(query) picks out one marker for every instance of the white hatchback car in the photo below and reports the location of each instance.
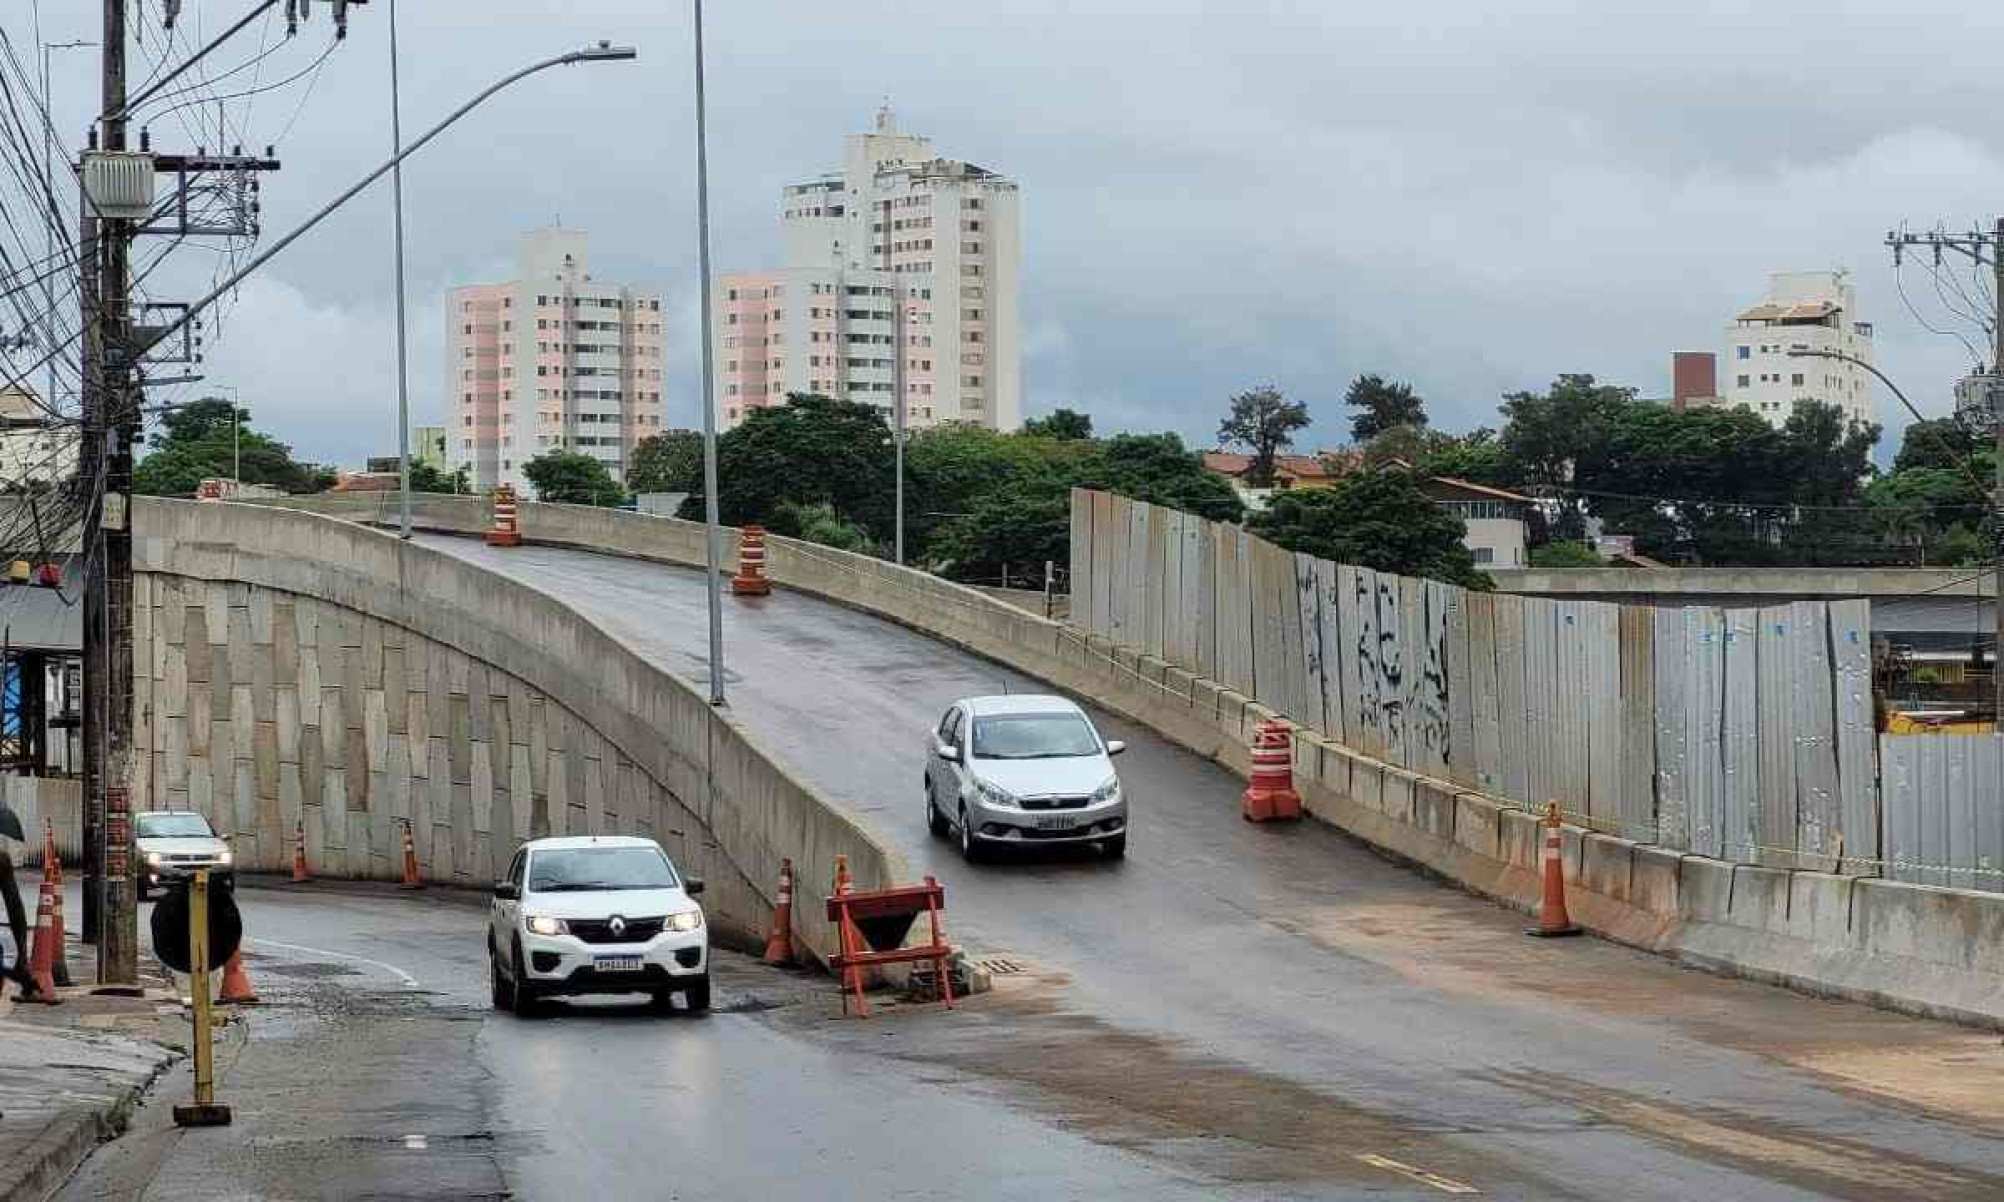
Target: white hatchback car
(1021, 770)
(596, 914)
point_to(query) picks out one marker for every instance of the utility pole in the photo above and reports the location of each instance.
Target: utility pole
(1982, 248)
(403, 355)
(712, 537)
(898, 388)
(110, 907)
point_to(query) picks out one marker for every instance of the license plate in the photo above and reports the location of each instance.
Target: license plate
(1056, 822)
(616, 963)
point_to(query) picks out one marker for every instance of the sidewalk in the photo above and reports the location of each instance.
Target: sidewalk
(70, 1074)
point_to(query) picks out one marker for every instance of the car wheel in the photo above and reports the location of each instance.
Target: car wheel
(520, 994)
(970, 847)
(698, 996)
(503, 993)
(1116, 847)
(934, 820)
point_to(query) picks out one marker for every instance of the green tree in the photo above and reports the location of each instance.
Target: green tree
(1157, 468)
(1264, 421)
(427, 478)
(819, 523)
(1940, 442)
(207, 438)
(667, 462)
(571, 477)
(1566, 555)
(1063, 424)
(1554, 438)
(1382, 406)
(812, 450)
(1375, 519)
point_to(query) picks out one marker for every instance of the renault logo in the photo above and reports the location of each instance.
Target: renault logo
(617, 926)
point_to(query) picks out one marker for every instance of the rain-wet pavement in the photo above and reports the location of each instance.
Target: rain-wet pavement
(1231, 1012)
(1283, 1009)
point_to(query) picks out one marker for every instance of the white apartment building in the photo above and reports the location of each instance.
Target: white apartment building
(1805, 310)
(551, 360)
(900, 270)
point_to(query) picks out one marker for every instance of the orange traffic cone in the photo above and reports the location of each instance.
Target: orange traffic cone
(299, 873)
(1271, 794)
(1553, 920)
(237, 990)
(43, 955)
(411, 879)
(779, 941)
(750, 580)
(52, 871)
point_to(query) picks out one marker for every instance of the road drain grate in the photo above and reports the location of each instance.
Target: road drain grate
(999, 966)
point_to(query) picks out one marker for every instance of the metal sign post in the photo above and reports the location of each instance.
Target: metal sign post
(205, 1112)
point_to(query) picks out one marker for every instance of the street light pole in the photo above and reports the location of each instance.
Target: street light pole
(712, 535)
(603, 52)
(898, 387)
(403, 356)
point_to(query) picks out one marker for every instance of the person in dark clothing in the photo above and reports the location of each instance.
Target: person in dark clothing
(17, 922)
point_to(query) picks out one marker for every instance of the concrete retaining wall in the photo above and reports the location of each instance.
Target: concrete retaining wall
(1916, 948)
(292, 667)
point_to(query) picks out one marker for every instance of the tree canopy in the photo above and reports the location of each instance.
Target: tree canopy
(813, 450)
(1378, 519)
(1065, 424)
(667, 462)
(1264, 422)
(571, 477)
(201, 440)
(1382, 406)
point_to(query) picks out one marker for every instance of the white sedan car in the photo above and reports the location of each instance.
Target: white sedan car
(596, 914)
(1023, 770)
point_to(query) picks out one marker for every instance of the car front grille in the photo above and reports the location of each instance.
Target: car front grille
(596, 930)
(1056, 803)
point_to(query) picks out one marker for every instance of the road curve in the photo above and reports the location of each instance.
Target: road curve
(1353, 1012)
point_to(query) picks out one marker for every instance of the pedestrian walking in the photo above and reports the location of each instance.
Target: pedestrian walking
(10, 898)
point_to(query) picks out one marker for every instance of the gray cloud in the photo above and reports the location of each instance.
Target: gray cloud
(1471, 196)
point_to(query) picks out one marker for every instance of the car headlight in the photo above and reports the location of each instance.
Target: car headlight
(1107, 791)
(153, 859)
(227, 857)
(687, 920)
(540, 925)
(994, 794)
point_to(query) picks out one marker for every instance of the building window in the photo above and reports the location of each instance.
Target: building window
(1796, 379)
(1746, 352)
(1742, 381)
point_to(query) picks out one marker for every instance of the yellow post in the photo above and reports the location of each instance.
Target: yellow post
(205, 1112)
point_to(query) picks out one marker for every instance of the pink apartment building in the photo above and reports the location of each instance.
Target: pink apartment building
(552, 360)
(901, 272)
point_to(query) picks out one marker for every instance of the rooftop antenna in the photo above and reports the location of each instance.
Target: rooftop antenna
(886, 120)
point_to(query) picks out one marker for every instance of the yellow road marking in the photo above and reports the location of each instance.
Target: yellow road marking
(1446, 1185)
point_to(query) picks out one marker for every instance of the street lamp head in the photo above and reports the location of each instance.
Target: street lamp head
(603, 52)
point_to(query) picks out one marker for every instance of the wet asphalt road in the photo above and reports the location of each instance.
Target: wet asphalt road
(1283, 989)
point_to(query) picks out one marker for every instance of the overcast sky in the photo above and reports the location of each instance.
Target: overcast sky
(1470, 195)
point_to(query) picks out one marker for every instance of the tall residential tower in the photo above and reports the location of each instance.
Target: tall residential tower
(552, 360)
(1803, 310)
(900, 255)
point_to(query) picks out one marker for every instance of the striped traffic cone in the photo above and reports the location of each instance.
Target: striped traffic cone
(237, 989)
(52, 871)
(42, 957)
(1553, 921)
(779, 940)
(299, 874)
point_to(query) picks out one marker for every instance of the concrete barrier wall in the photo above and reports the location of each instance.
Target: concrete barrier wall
(1916, 948)
(292, 667)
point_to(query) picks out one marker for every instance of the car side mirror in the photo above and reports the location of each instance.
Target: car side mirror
(1115, 747)
(507, 890)
(947, 751)
(692, 885)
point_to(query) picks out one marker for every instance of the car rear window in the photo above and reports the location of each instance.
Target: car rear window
(589, 869)
(172, 826)
(1032, 737)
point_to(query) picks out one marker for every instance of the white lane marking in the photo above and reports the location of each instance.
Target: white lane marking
(415, 1143)
(1446, 1185)
(408, 980)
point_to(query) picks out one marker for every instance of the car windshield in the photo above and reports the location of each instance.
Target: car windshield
(173, 826)
(1032, 737)
(585, 869)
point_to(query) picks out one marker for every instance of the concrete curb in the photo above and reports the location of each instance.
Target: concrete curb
(68, 1139)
